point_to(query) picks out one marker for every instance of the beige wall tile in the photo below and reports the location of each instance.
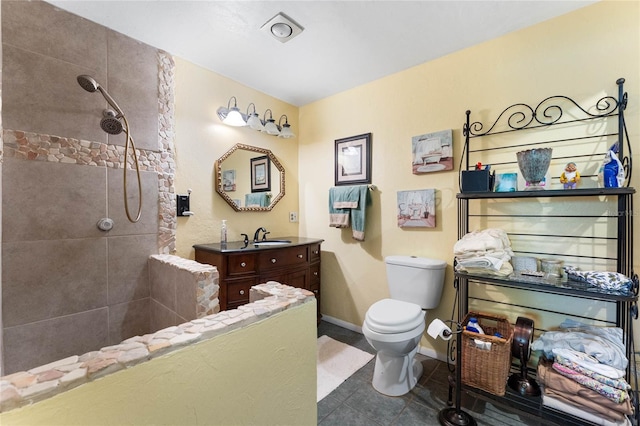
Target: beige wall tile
(162, 277)
(45, 279)
(186, 297)
(148, 223)
(41, 28)
(161, 317)
(129, 319)
(46, 201)
(128, 267)
(42, 342)
(133, 82)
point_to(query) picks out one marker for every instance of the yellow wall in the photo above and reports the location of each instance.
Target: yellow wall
(581, 53)
(261, 374)
(201, 138)
(578, 54)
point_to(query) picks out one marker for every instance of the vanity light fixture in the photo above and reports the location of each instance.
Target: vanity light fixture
(270, 124)
(253, 119)
(285, 131)
(232, 115)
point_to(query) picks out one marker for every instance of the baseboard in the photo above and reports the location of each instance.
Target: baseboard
(421, 349)
(342, 324)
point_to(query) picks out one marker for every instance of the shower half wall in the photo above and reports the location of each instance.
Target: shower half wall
(67, 287)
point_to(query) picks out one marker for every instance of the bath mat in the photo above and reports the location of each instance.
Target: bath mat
(337, 361)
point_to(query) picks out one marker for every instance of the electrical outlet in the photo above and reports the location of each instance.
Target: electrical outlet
(293, 216)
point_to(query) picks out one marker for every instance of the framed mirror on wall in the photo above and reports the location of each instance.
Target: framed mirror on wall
(249, 178)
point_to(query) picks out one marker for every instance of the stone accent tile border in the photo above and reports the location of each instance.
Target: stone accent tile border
(38, 147)
(167, 216)
(26, 387)
(205, 279)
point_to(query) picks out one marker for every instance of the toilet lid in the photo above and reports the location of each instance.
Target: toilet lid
(393, 316)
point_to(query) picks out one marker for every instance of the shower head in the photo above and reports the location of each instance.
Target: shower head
(110, 123)
(89, 84)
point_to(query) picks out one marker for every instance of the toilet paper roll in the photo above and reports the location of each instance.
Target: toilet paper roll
(439, 329)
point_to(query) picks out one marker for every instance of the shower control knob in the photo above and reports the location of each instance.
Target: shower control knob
(105, 224)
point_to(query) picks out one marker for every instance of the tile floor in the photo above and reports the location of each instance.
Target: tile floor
(355, 402)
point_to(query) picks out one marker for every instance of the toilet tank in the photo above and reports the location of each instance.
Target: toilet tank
(418, 280)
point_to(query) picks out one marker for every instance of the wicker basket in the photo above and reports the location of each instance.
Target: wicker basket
(486, 359)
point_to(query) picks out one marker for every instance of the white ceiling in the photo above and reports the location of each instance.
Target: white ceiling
(344, 43)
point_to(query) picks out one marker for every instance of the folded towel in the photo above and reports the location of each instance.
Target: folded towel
(346, 197)
(257, 199)
(358, 215)
(338, 216)
(347, 207)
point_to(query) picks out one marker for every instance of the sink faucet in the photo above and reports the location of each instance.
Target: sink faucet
(256, 236)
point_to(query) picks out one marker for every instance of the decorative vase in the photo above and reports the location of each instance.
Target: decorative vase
(534, 164)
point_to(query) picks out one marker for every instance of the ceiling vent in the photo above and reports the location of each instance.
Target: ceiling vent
(282, 28)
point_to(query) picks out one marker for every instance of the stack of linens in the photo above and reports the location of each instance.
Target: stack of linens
(484, 252)
(583, 372)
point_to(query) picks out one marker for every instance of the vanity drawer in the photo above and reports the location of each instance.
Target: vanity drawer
(238, 264)
(290, 256)
(238, 290)
(314, 272)
(314, 253)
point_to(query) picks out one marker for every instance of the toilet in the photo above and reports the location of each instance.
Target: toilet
(394, 326)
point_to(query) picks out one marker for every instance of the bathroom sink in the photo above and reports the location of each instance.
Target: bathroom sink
(272, 243)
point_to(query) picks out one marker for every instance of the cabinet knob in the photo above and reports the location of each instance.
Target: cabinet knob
(241, 291)
(315, 273)
(273, 260)
(315, 291)
(315, 252)
(243, 264)
(299, 256)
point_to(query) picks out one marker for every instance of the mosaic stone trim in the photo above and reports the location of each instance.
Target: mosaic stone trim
(167, 219)
(26, 387)
(205, 279)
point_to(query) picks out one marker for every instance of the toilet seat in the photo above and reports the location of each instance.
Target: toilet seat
(389, 316)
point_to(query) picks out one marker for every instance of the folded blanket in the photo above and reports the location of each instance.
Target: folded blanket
(557, 385)
(558, 403)
(609, 392)
(595, 346)
(602, 279)
(572, 358)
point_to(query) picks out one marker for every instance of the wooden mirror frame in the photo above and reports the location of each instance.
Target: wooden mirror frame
(219, 180)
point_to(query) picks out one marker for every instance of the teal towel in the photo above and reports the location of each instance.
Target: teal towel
(348, 206)
(358, 214)
(257, 199)
(338, 217)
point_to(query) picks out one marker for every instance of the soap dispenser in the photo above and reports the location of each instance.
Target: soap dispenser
(223, 233)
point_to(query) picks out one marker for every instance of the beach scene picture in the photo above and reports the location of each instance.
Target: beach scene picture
(417, 209)
(432, 152)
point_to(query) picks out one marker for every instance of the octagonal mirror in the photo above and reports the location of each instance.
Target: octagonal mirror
(249, 178)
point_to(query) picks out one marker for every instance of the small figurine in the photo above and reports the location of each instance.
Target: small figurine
(570, 177)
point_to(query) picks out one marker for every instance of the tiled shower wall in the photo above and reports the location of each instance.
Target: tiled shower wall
(67, 287)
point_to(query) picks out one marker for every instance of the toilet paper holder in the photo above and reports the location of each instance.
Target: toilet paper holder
(452, 416)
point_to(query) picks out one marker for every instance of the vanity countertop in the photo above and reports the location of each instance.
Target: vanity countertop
(239, 246)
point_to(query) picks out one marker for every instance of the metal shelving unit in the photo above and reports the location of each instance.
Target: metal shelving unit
(549, 113)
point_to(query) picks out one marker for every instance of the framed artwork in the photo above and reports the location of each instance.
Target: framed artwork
(353, 160)
(229, 180)
(432, 152)
(417, 209)
(261, 174)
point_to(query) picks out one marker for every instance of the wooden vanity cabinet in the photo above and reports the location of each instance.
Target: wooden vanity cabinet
(296, 264)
